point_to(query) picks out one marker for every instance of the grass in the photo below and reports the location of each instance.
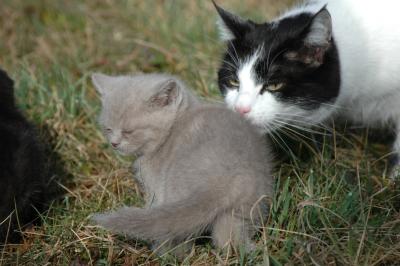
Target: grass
(333, 206)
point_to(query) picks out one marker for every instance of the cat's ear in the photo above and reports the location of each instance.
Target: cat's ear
(316, 42)
(320, 31)
(168, 94)
(231, 26)
(102, 82)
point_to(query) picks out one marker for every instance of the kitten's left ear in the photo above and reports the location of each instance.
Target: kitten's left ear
(102, 82)
(316, 41)
(168, 94)
(231, 26)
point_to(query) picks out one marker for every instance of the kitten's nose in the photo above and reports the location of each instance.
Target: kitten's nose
(242, 109)
(114, 144)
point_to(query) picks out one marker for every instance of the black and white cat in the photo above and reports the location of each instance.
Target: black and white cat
(322, 58)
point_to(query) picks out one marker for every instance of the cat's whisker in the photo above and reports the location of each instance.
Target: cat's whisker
(295, 133)
(332, 105)
(275, 57)
(306, 129)
(279, 140)
(269, 52)
(288, 118)
(292, 127)
(231, 66)
(292, 133)
(236, 57)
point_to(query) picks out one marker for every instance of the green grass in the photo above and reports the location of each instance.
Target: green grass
(333, 206)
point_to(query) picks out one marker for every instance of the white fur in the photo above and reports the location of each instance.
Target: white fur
(368, 41)
(367, 35)
(249, 88)
(365, 32)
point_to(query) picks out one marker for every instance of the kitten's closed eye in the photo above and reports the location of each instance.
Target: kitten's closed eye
(108, 130)
(127, 132)
(272, 87)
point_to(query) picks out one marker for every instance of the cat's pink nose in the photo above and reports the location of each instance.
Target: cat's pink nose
(114, 144)
(243, 109)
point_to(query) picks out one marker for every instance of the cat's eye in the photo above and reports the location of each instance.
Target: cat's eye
(234, 82)
(108, 130)
(272, 87)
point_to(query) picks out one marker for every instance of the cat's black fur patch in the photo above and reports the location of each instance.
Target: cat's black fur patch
(307, 85)
(25, 181)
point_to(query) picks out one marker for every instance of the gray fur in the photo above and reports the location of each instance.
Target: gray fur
(201, 165)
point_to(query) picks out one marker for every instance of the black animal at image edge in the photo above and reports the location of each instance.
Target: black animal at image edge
(26, 185)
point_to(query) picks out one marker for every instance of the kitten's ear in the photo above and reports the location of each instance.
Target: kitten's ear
(168, 94)
(231, 26)
(316, 41)
(102, 82)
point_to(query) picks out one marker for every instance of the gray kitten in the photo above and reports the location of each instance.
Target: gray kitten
(202, 167)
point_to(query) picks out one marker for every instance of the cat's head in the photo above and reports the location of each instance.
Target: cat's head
(285, 71)
(138, 111)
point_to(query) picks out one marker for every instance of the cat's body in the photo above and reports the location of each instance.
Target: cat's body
(325, 58)
(368, 45)
(23, 182)
(201, 165)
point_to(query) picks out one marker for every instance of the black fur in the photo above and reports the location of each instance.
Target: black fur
(24, 182)
(307, 84)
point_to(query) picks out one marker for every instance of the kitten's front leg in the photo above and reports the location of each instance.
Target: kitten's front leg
(137, 175)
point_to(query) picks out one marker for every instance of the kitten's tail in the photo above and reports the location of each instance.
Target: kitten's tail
(171, 221)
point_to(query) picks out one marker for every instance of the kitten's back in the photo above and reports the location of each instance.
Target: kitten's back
(221, 148)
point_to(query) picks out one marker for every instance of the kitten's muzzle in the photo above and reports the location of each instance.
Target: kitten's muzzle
(114, 144)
